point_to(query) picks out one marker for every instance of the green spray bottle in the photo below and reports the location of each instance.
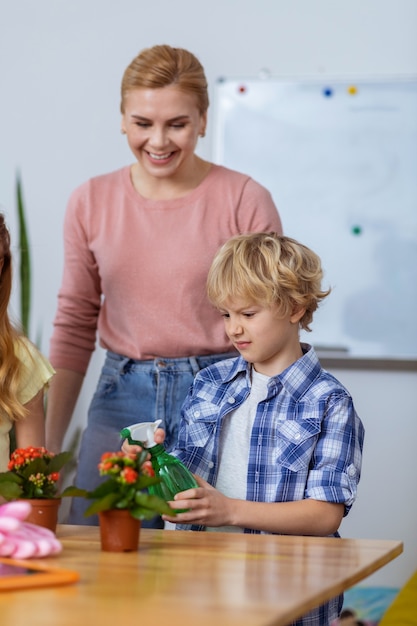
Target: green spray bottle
(175, 477)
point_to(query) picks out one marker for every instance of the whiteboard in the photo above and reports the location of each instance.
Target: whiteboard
(340, 159)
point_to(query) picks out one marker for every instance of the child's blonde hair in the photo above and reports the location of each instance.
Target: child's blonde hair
(267, 269)
(10, 365)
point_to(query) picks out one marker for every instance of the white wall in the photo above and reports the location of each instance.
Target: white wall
(60, 70)
(386, 506)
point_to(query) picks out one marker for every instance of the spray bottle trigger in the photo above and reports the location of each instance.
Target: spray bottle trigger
(141, 434)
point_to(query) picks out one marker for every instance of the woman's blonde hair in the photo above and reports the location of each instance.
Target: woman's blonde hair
(161, 66)
(267, 269)
(10, 365)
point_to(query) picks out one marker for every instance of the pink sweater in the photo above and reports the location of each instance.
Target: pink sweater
(135, 269)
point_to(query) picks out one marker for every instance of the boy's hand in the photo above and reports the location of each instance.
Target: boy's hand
(132, 449)
(207, 506)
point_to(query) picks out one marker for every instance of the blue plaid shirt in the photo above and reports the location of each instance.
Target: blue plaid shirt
(306, 440)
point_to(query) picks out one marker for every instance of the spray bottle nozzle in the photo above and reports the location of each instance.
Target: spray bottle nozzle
(141, 434)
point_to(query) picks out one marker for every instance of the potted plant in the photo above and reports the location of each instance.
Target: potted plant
(122, 499)
(33, 474)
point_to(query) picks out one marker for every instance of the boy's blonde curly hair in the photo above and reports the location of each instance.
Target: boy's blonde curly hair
(268, 269)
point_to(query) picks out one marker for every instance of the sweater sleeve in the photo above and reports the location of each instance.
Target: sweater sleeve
(75, 325)
(257, 211)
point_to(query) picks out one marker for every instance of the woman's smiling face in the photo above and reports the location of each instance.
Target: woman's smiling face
(162, 127)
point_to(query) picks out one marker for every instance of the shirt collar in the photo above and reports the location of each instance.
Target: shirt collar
(238, 367)
(299, 376)
(296, 379)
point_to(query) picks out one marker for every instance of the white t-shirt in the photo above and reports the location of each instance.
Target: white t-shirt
(234, 445)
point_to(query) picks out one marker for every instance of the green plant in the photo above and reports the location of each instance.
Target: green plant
(25, 260)
(32, 473)
(129, 478)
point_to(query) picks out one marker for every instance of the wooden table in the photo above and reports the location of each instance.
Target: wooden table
(183, 578)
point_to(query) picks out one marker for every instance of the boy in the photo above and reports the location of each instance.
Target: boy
(274, 439)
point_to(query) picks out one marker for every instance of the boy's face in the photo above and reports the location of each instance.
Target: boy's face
(262, 335)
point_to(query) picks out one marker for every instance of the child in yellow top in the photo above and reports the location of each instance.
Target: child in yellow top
(24, 371)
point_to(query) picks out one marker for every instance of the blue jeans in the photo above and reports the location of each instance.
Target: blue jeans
(129, 392)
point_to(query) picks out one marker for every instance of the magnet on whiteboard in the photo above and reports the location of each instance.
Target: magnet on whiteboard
(242, 89)
(352, 90)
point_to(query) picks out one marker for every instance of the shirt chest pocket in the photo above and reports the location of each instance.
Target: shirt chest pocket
(295, 443)
(202, 428)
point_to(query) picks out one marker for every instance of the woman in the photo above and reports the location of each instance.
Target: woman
(24, 371)
(138, 246)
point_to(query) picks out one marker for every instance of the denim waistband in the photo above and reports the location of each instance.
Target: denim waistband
(183, 364)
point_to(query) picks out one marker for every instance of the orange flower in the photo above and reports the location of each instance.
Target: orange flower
(128, 475)
(106, 455)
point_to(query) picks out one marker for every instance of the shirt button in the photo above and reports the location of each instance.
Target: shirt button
(351, 470)
(211, 464)
(297, 436)
(197, 413)
(231, 400)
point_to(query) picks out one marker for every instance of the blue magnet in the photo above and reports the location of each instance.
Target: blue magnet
(327, 92)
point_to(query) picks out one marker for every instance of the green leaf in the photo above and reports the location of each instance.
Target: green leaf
(109, 486)
(154, 503)
(10, 477)
(37, 466)
(58, 462)
(140, 513)
(146, 481)
(126, 496)
(74, 492)
(104, 504)
(25, 263)
(124, 503)
(10, 490)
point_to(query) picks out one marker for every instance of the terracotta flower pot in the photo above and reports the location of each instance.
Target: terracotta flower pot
(119, 531)
(44, 512)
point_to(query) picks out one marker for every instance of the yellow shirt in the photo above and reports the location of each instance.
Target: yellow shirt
(36, 374)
